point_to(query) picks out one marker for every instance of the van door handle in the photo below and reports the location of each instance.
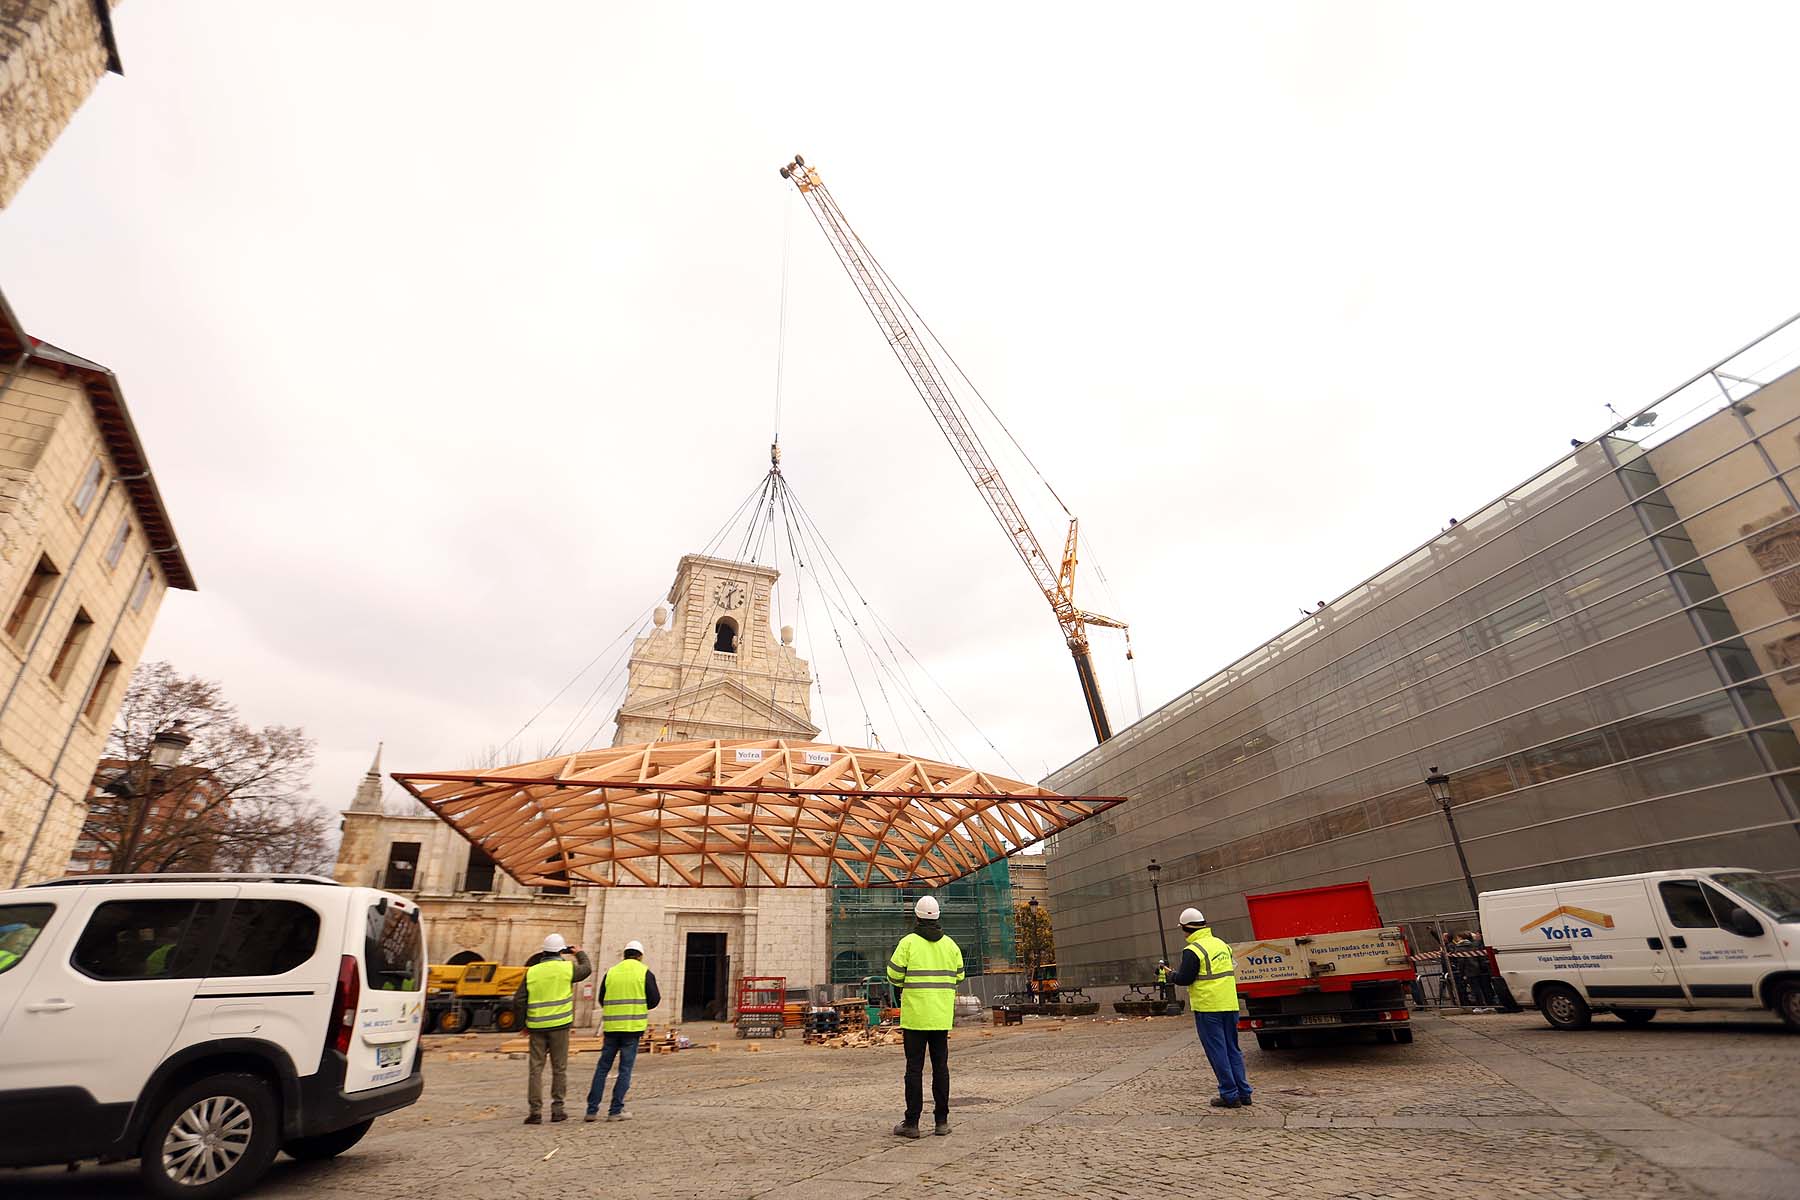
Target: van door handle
(1680, 943)
(57, 1005)
(1655, 943)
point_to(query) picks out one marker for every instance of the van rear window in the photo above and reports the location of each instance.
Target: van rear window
(393, 951)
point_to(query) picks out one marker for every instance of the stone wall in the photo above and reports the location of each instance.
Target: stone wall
(48, 729)
(52, 53)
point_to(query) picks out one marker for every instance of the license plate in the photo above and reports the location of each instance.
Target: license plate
(1328, 1019)
(388, 1056)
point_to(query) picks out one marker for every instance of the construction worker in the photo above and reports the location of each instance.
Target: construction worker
(627, 994)
(548, 995)
(925, 969)
(1211, 980)
(1162, 978)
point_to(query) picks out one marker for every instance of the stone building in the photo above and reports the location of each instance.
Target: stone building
(714, 666)
(86, 552)
(52, 53)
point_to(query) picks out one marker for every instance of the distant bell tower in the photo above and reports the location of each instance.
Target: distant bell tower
(716, 665)
(368, 792)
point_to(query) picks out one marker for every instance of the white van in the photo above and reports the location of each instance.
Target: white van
(1710, 937)
(201, 1023)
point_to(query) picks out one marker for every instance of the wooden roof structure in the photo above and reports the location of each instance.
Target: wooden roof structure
(757, 813)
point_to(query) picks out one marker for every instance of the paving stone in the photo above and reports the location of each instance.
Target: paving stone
(1476, 1106)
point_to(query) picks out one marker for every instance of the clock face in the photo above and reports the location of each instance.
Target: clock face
(729, 594)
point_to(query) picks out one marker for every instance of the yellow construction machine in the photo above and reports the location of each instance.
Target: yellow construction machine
(477, 995)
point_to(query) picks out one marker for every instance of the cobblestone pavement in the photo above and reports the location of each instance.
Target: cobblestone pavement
(1685, 1108)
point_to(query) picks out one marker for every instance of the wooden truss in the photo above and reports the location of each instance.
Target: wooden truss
(737, 814)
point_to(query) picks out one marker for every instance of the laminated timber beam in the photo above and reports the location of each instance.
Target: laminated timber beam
(757, 813)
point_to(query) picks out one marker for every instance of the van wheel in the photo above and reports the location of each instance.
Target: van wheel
(452, 1020)
(1635, 1016)
(327, 1145)
(1564, 1008)
(506, 1019)
(1787, 1003)
(213, 1138)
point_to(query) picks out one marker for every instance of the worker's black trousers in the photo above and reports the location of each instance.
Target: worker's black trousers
(918, 1041)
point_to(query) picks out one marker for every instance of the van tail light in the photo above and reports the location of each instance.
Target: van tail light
(343, 1005)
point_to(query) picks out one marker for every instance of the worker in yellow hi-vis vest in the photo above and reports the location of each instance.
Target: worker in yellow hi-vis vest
(627, 994)
(548, 994)
(1211, 978)
(925, 969)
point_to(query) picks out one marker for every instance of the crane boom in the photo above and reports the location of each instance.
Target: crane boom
(890, 310)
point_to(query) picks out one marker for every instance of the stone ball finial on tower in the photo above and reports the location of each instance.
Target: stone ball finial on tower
(787, 635)
(660, 617)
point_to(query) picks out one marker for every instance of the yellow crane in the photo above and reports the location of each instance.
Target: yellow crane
(895, 316)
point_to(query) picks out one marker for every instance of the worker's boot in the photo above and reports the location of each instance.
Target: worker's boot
(1244, 1100)
(941, 1129)
(906, 1131)
(557, 1114)
(534, 1119)
(1222, 1102)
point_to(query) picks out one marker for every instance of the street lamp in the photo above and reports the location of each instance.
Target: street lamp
(1156, 899)
(1439, 784)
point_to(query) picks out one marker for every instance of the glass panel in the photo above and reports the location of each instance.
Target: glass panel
(144, 939)
(1686, 905)
(266, 937)
(393, 951)
(20, 925)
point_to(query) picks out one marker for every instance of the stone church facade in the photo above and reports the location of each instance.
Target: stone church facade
(715, 665)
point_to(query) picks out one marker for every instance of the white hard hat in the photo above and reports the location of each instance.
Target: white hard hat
(926, 909)
(634, 945)
(1192, 916)
(554, 944)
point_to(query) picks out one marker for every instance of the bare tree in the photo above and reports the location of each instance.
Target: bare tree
(235, 801)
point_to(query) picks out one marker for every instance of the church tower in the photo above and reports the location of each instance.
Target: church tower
(718, 664)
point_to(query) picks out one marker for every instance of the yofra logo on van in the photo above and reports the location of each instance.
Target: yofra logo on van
(1563, 931)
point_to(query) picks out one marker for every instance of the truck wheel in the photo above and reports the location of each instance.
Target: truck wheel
(506, 1019)
(1787, 1003)
(1564, 1008)
(1403, 1036)
(1635, 1016)
(428, 1022)
(1267, 1041)
(214, 1138)
(452, 1020)
(327, 1145)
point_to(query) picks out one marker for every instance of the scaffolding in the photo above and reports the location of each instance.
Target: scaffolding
(867, 923)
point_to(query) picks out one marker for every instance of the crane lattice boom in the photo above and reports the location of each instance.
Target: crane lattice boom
(889, 308)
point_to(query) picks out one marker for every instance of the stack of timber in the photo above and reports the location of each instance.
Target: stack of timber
(881, 1035)
(656, 1039)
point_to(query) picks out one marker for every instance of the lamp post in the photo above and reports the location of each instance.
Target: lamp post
(1156, 899)
(1439, 784)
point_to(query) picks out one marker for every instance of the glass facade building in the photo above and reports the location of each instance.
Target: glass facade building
(1605, 662)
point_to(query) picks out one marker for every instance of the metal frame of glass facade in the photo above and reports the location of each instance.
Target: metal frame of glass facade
(1606, 661)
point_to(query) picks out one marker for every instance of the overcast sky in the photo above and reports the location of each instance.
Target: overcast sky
(450, 327)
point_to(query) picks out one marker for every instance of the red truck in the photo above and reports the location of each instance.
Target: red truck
(1322, 962)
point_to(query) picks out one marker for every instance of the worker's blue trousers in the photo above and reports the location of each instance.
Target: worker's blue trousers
(623, 1046)
(1218, 1037)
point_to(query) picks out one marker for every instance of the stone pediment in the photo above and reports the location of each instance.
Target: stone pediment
(723, 702)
